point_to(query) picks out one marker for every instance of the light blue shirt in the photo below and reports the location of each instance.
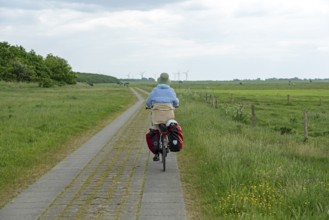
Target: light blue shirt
(162, 93)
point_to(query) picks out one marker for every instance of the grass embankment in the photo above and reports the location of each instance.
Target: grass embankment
(231, 170)
(39, 127)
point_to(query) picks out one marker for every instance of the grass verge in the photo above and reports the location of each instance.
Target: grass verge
(39, 127)
(239, 172)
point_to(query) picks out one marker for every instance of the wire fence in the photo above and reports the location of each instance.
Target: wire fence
(239, 112)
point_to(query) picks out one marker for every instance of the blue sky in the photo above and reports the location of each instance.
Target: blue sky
(193, 39)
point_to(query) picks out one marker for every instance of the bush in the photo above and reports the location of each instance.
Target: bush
(46, 83)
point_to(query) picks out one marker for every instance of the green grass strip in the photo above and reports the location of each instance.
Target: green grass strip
(40, 126)
(241, 172)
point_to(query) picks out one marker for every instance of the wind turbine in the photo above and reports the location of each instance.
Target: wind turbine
(186, 74)
(142, 74)
(178, 76)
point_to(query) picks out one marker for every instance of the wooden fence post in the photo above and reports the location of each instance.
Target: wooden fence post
(253, 116)
(305, 126)
(289, 100)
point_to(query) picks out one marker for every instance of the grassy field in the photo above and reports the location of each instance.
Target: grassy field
(229, 168)
(232, 170)
(41, 126)
(271, 104)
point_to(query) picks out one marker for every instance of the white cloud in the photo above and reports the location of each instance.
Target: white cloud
(209, 34)
(324, 48)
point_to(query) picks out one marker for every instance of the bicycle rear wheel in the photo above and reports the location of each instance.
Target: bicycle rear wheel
(164, 155)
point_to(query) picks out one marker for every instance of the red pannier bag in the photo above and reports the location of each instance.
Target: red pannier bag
(152, 140)
(175, 136)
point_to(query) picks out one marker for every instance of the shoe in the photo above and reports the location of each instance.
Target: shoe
(156, 158)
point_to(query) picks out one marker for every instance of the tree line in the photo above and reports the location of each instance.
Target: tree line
(92, 78)
(18, 65)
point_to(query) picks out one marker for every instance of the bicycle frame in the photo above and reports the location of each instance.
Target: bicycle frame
(163, 149)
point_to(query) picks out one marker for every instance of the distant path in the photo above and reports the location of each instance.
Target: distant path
(109, 177)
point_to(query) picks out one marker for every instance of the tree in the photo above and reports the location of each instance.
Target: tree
(5, 57)
(16, 64)
(38, 66)
(20, 71)
(60, 70)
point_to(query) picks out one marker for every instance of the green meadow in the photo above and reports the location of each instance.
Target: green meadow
(230, 168)
(39, 126)
(233, 169)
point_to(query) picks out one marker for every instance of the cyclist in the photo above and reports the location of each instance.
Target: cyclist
(162, 100)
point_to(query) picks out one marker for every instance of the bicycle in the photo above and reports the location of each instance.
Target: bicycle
(164, 140)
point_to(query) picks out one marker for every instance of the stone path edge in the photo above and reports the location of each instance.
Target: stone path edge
(49, 186)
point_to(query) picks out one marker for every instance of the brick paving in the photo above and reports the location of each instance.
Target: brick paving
(112, 176)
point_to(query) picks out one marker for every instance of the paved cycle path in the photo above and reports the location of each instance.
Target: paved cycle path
(111, 176)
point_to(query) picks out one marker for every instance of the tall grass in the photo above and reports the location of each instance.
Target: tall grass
(240, 172)
(39, 126)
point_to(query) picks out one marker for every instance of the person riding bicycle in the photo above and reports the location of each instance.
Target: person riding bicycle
(162, 100)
